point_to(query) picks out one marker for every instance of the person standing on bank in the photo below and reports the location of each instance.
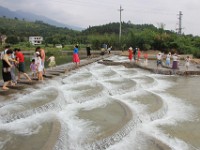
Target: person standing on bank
(175, 62)
(130, 53)
(109, 49)
(168, 59)
(21, 65)
(6, 69)
(88, 49)
(75, 56)
(159, 60)
(187, 63)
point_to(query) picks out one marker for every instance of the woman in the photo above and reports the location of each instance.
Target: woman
(168, 59)
(6, 69)
(187, 63)
(75, 56)
(130, 55)
(175, 62)
(39, 67)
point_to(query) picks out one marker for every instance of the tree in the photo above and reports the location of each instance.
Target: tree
(12, 39)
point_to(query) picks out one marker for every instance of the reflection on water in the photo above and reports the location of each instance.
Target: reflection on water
(105, 107)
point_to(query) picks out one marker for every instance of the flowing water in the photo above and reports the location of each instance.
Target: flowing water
(104, 107)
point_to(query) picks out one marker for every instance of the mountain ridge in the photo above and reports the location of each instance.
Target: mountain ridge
(19, 14)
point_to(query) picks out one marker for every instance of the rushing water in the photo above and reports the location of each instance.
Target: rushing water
(104, 107)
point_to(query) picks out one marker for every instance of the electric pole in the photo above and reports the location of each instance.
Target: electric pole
(120, 24)
(180, 23)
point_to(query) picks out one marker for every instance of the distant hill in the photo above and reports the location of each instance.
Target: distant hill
(113, 28)
(19, 30)
(5, 12)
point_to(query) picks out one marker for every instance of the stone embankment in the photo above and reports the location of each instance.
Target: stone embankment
(23, 84)
(193, 69)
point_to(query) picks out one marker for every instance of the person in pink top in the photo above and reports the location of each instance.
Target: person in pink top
(33, 68)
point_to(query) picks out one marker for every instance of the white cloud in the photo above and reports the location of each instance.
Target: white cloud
(89, 12)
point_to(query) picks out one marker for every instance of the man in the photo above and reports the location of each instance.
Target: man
(159, 59)
(109, 49)
(21, 65)
(88, 51)
(42, 54)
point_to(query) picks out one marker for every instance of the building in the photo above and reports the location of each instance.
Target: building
(3, 39)
(35, 40)
(58, 46)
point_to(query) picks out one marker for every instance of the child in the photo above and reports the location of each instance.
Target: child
(52, 62)
(33, 68)
(187, 63)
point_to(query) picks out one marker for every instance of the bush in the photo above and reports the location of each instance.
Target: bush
(197, 53)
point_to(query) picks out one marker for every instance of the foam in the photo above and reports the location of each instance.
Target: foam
(72, 96)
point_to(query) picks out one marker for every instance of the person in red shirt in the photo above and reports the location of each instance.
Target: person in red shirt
(21, 65)
(130, 53)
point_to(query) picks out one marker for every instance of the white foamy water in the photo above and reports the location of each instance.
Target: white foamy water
(89, 105)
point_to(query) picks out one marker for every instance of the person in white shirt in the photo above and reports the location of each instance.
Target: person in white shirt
(187, 63)
(159, 59)
(168, 59)
(52, 61)
(39, 67)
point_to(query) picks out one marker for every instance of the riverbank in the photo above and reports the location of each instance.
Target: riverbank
(194, 68)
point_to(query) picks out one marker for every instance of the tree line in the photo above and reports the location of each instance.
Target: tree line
(146, 36)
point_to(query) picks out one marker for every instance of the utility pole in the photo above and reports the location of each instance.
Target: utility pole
(180, 23)
(120, 24)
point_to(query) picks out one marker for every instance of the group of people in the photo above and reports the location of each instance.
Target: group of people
(135, 55)
(12, 59)
(175, 57)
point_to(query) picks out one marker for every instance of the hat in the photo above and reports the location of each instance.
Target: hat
(130, 48)
(37, 53)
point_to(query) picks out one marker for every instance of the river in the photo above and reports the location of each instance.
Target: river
(104, 107)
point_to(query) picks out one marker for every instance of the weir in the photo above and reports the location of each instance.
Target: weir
(95, 107)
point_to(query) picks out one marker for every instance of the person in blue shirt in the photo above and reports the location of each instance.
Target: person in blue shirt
(76, 56)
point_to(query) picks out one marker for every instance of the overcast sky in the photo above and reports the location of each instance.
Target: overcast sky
(83, 13)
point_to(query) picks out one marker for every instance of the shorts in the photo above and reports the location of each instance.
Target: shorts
(159, 62)
(21, 67)
(168, 62)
